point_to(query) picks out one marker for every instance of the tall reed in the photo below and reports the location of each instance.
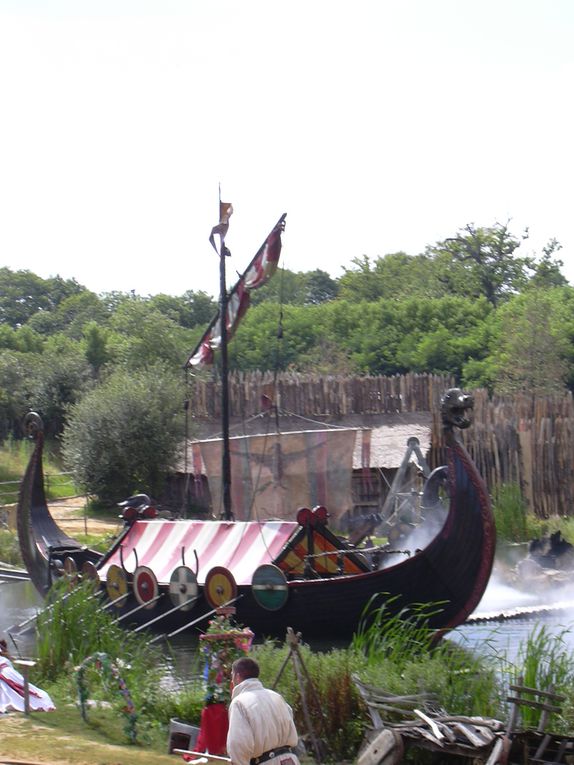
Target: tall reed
(339, 717)
(402, 657)
(75, 626)
(544, 661)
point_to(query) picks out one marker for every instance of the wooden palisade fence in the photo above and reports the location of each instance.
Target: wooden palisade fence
(522, 439)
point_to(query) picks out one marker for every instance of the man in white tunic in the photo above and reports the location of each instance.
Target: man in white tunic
(261, 727)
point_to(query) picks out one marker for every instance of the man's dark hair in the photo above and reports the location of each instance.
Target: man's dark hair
(245, 667)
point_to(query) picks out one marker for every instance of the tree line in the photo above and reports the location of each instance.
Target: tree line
(472, 306)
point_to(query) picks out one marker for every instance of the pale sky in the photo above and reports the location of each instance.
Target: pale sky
(376, 126)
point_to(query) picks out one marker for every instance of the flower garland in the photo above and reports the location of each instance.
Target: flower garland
(103, 663)
(223, 643)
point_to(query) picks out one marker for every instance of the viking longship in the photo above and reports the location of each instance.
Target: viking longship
(174, 573)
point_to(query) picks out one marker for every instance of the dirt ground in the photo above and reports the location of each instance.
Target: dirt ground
(69, 515)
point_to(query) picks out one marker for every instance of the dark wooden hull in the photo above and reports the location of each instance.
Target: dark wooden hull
(452, 570)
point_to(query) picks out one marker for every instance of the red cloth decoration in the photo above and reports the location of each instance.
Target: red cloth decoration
(212, 736)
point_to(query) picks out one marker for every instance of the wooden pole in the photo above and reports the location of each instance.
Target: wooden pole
(225, 457)
(25, 664)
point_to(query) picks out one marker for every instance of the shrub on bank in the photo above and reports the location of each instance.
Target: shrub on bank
(9, 548)
(339, 716)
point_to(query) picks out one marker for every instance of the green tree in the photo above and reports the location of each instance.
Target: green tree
(140, 336)
(285, 287)
(531, 350)
(192, 309)
(70, 315)
(547, 268)
(15, 371)
(61, 377)
(320, 287)
(23, 294)
(22, 339)
(95, 344)
(123, 436)
(482, 261)
(271, 337)
(395, 276)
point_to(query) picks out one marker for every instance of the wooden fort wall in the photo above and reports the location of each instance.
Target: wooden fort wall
(522, 439)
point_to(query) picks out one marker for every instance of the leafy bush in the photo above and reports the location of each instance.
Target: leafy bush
(339, 716)
(9, 548)
(510, 514)
(123, 436)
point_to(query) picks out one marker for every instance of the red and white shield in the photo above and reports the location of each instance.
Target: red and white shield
(145, 586)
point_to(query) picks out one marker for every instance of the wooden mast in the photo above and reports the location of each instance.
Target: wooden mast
(227, 513)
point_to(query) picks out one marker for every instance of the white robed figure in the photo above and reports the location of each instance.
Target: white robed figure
(12, 688)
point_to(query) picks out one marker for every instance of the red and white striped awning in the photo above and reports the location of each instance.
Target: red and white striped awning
(238, 546)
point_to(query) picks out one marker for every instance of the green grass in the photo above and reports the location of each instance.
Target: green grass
(402, 657)
(515, 523)
(337, 711)
(9, 548)
(69, 739)
(14, 457)
(545, 662)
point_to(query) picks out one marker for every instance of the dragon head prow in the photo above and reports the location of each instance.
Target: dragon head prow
(456, 408)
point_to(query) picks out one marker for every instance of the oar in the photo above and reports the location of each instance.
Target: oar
(117, 600)
(49, 608)
(138, 608)
(195, 621)
(202, 755)
(166, 613)
(11, 636)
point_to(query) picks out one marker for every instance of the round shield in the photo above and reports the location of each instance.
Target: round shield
(145, 586)
(116, 585)
(90, 572)
(70, 566)
(70, 571)
(269, 587)
(182, 587)
(220, 586)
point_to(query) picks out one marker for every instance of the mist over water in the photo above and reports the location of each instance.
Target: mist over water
(512, 613)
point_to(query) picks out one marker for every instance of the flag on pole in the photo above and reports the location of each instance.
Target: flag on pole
(225, 211)
(257, 273)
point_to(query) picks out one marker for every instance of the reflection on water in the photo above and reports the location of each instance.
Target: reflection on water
(18, 602)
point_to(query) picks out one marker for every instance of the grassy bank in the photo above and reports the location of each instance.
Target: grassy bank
(63, 738)
(396, 656)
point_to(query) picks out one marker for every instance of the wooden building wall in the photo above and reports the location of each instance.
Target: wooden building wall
(522, 439)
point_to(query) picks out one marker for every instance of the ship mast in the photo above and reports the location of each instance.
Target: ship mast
(232, 306)
(227, 513)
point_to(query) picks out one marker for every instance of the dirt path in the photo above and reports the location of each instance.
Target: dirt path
(69, 515)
